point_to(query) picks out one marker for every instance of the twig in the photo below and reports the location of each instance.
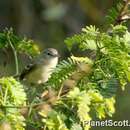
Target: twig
(27, 106)
(122, 12)
(15, 55)
(60, 91)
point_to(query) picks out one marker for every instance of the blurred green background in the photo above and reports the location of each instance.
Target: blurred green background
(48, 23)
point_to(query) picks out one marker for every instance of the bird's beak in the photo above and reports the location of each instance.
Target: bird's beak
(58, 55)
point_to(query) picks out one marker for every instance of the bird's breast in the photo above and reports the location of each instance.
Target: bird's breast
(40, 74)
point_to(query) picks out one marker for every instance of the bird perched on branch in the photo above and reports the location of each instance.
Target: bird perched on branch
(40, 70)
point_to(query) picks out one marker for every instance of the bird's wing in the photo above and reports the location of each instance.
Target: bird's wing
(27, 70)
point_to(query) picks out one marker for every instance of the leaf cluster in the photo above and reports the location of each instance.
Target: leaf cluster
(22, 45)
(11, 95)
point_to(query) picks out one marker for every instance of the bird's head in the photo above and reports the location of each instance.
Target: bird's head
(49, 55)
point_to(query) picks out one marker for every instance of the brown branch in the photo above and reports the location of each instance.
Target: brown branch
(27, 106)
(122, 13)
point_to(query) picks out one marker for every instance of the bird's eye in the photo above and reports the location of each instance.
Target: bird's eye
(48, 54)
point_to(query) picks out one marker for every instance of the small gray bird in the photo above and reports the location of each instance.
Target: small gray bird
(42, 67)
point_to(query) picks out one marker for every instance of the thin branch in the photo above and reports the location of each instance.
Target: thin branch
(122, 12)
(27, 106)
(60, 91)
(15, 55)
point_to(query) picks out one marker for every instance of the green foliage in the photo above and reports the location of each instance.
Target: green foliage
(9, 40)
(94, 92)
(113, 13)
(112, 53)
(21, 45)
(54, 121)
(11, 95)
(83, 88)
(65, 69)
(119, 14)
(88, 36)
